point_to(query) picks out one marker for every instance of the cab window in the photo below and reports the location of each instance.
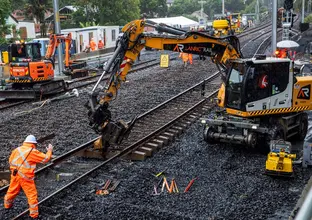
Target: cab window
(257, 84)
(279, 77)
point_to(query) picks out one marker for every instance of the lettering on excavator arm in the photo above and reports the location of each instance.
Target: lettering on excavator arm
(129, 44)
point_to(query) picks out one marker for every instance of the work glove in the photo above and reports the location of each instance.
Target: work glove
(50, 147)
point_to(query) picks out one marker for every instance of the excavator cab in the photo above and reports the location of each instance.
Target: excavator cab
(255, 84)
(24, 52)
(26, 64)
(255, 89)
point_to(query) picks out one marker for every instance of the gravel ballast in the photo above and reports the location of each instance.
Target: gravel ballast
(230, 183)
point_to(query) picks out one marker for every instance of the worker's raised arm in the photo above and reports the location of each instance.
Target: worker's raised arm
(39, 157)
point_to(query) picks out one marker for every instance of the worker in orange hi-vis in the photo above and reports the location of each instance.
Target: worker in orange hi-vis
(92, 44)
(185, 58)
(100, 44)
(190, 58)
(23, 162)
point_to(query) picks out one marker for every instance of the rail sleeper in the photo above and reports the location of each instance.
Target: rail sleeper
(138, 155)
(161, 143)
(169, 135)
(148, 151)
(181, 129)
(154, 146)
(175, 131)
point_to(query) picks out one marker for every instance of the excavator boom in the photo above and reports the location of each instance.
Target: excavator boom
(54, 42)
(128, 47)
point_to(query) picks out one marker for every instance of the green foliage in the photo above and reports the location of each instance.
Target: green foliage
(107, 12)
(36, 9)
(5, 8)
(154, 8)
(250, 7)
(234, 5)
(68, 24)
(180, 7)
(88, 24)
(191, 17)
(211, 7)
(308, 19)
(18, 4)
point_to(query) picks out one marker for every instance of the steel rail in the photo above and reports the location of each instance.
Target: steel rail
(120, 154)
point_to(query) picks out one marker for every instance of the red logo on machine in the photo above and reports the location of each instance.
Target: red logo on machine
(263, 82)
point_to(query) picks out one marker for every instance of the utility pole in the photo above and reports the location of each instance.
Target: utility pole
(202, 8)
(57, 30)
(257, 12)
(202, 21)
(302, 14)
(223, 8)
(274, 28)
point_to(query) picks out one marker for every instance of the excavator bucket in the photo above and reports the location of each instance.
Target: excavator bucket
(115, 132)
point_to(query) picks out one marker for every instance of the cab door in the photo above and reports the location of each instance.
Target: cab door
(268, 86)
(257, 88)
(281, 81)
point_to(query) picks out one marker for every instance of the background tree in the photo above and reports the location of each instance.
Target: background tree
(153, 8)
(37, 9)
(180, 7)
(108, 12)
(18, 4)
(5, 9)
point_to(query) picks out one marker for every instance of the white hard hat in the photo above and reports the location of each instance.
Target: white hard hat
(31, 139)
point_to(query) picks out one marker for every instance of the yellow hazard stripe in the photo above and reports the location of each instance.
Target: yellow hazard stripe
(40, 79)
(19, 81)
(277, 111)
(27, 80)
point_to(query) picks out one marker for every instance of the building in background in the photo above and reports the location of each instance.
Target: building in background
(201, 17)
(83, 36)
(20, 29)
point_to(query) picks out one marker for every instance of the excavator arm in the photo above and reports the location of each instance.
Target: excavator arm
(54, 42)
(128, 47)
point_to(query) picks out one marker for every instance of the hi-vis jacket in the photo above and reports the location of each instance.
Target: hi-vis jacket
(27, 168)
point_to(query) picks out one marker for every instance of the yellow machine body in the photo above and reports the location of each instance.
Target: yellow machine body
(235, 19)
(221, 27)
(279, 163)
(279, 160)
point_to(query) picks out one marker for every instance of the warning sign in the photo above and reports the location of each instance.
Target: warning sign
(164, 60)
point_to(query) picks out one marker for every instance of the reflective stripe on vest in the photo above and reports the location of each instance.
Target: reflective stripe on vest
(33, 211)
(24, 176)
(22, 155)
(33, 206)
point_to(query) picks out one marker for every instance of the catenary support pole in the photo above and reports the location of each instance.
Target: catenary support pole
(274, 21)
(302, 13)
(57, 30)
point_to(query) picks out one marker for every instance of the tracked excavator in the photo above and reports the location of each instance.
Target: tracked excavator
(31, 76)
(254, 103)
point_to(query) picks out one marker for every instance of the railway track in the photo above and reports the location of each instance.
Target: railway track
(78, 83)
(152, 131)
(136, 67)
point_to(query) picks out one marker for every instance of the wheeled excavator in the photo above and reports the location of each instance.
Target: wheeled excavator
(258, 97)
(30, 75)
